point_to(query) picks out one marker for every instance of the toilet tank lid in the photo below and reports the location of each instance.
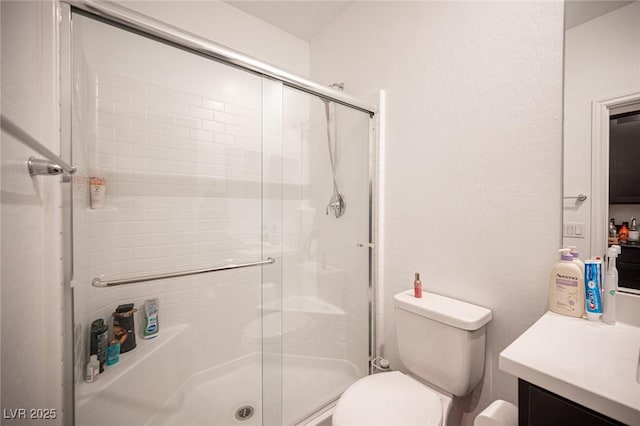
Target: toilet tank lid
(455, 313)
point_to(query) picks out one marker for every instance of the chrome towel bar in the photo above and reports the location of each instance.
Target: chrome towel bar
(53, 165)
(99, 282)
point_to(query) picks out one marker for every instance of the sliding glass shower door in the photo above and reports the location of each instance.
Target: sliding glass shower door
(178, 139)
(326, 290)
(211, 191)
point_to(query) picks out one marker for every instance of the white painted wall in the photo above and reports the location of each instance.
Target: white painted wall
(231, 27)
(31, 271)
(602, 59)
(473, 154)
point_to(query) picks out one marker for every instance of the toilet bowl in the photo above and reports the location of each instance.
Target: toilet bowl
(391, 398)
(441, 343)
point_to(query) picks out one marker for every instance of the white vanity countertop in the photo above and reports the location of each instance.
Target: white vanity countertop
(591, 363)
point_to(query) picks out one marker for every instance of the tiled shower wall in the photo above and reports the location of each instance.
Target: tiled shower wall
(184, 180)
(183, 192)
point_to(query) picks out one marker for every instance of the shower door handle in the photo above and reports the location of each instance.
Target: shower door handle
(99, 282)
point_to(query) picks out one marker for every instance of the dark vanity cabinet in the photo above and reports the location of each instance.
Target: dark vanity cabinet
(624, 158)
(539, 407)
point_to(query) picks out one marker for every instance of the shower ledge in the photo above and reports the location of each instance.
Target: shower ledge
(144, 348)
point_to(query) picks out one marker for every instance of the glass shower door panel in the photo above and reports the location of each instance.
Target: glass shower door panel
(178, 138)
(272, 247)
(325, 282)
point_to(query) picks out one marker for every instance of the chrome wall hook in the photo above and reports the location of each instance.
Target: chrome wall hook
(579, 197)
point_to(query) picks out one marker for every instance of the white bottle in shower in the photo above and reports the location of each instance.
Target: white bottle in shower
(93, 369)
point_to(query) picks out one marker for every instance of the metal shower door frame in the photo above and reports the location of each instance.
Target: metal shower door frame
(131, 20)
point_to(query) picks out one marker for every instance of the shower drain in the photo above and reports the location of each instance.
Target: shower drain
(244, 413)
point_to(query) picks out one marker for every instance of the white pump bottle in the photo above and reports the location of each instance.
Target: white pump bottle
(576, 257)
(566, 287)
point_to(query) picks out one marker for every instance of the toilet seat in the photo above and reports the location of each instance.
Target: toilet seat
(385, 399)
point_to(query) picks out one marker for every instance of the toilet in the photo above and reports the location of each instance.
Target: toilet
(441, 343)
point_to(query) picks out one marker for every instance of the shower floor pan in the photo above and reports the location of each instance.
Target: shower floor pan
(222, 395)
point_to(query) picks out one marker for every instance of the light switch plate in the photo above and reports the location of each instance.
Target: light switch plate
(573, 229)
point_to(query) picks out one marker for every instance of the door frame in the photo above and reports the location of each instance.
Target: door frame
(600, 115)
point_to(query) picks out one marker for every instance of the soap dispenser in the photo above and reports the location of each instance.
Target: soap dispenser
(566, 287)
(576, 257)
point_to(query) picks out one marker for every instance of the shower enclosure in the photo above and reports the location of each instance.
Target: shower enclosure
(219, 176)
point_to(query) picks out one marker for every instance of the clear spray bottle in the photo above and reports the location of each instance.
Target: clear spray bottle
(610, 286)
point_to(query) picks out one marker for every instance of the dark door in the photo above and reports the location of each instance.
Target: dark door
(624, 158)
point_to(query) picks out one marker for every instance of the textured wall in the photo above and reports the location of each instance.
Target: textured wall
(31, 271)
(231, 27)
(473, 154)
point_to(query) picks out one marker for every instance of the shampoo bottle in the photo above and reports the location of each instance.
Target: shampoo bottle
(151, 324)
(566, 287)
(124, 330)
(93, 369)
(99, 341)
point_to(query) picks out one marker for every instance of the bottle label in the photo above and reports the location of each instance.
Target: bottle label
(89, 376)
(567, 292)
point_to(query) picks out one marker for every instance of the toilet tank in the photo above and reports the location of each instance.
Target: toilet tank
(441, 340)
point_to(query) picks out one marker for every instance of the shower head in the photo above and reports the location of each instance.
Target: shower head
(337, 203)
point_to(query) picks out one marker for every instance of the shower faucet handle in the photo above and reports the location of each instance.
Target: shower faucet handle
(337, 204)
(332, 206)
